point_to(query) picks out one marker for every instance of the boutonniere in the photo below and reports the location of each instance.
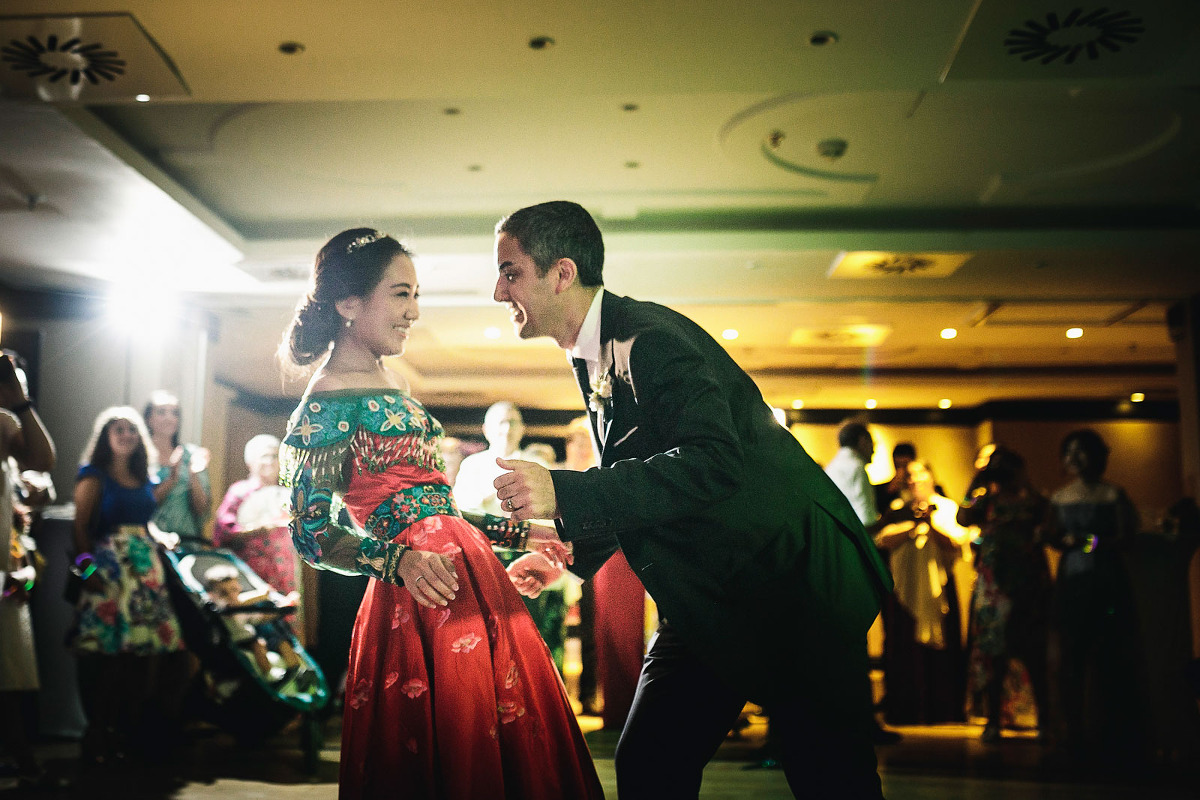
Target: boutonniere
(601, 392)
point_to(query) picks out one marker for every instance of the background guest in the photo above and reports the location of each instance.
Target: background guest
(922, 652)
(253, 517)
(903, 454)
(124, 619)
(580, 456)
(182, 471)
(24, 445)
(1012, 589)
(848, 470)
(1092, 522)
(504, 427)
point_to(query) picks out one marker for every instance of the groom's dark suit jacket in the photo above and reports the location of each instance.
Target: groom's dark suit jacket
(751, 553)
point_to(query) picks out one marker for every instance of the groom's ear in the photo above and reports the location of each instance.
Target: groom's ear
(567, 272)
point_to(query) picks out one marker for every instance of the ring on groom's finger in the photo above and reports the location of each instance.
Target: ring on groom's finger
(508, 504)
(419, 578)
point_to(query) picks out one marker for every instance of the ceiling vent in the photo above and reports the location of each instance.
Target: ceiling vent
(87, 58)
(1040, 40)
(1091, 33)
(877, 264)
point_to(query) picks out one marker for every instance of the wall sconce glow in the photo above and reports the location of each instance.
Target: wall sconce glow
(944, 403)
(491, 333)
(949, 333)
(729, 333)
(1137, 397)
(142, 98)
(797, 404)
(780, 416)
(870, 403)
(1074, 333)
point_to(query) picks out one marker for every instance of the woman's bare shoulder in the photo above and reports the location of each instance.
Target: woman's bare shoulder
(386, 380)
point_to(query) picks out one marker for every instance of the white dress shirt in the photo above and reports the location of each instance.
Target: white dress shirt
(849, 473)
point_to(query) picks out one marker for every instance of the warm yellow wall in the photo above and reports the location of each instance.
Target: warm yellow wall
(949, 450)
(1145, 458)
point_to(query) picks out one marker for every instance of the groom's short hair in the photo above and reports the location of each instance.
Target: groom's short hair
(558, 229)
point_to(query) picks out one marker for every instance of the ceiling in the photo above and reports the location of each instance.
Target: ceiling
(836, 181)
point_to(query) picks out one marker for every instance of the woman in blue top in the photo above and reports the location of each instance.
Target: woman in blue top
(124, 617)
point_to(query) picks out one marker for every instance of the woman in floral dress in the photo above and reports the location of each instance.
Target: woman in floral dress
(124, 619)
(451, 692)
(1009, 607)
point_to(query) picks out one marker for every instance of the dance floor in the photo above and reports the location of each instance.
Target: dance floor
(930, 763)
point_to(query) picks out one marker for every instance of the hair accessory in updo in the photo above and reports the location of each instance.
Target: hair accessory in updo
(364, 240)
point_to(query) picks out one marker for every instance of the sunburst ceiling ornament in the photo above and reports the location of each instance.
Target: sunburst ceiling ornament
(55, 60)
(1092, 32)
(92, 58)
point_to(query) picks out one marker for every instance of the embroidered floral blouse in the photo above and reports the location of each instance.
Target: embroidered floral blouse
(387, 444)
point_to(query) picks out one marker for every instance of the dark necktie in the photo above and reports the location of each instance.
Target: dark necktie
(581, 375)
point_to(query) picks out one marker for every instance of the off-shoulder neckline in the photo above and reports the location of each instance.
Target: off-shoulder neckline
(363, 392)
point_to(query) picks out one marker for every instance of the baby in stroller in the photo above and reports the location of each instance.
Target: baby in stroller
(258, 633)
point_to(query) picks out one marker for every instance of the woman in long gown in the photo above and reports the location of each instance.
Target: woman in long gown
(451, 692)
(1092, 522)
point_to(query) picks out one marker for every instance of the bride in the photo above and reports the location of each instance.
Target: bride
(451, 692)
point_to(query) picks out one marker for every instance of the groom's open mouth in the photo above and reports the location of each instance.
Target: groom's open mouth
(518, 316)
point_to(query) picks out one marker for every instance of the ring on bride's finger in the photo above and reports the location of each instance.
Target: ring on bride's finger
(508, 504)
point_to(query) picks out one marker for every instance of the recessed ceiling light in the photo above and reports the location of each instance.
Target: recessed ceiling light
(451, 111)
(491, 333)
(1137, 397)
(944, 403)
(541, 43)
(1074, 333)
(632, 164)
(291, 48)
(475, 168)
(949, 333)
(797, 404)
(142, 98)
(729, 333)
(871, 403)
(630, 107)
(822, 38)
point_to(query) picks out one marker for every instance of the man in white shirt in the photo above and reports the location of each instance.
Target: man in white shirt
(848, 470)
(503, 427)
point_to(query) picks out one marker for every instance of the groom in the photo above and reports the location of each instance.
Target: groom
(764, 579)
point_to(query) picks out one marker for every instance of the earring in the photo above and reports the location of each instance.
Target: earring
(349, 323)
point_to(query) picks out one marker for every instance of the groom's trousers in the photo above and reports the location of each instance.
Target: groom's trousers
(682, 712)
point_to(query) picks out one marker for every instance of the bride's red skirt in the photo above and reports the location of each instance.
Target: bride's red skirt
(461, 702)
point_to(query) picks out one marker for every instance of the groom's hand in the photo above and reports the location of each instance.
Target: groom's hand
(532, 572)
(525, 490)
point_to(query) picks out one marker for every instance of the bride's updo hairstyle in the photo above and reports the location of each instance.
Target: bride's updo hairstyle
(350, 264)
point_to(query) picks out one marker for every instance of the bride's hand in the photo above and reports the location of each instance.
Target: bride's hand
(544, 539)
(429, 577)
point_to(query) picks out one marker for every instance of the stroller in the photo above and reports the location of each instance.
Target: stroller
(238, 695)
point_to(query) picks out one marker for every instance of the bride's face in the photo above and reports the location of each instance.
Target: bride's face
(383, 318)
